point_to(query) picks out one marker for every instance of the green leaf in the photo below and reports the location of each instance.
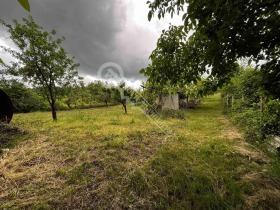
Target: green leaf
(184, 16)
(150, 14)
(170, 91)
(1, 61)
(25, 4)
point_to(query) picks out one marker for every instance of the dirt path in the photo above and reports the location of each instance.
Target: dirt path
(266, 192)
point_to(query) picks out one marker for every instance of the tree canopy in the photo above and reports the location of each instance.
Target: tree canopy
(25, 4)
(41, 60)
(222, 32)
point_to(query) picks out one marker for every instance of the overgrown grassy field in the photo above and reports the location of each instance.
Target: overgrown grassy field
(103, 159)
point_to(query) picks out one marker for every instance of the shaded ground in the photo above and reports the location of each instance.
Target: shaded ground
(101, 158)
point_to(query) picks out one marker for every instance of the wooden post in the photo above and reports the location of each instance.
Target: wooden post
(227, 101)
(232, 100)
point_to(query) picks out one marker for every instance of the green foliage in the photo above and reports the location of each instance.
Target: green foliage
(248, 120)
(221, 32)
(168, 63)
(24, 99)
(271, 118)
(123, 95)
(245, 84)
(70, 96)
(251, 109)
(151, 95)
(41, 60)
(25, 4)
(178, 63)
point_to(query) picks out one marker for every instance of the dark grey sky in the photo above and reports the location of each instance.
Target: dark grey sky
(96, 31)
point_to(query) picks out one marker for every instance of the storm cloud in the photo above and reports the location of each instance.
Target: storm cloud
(96, 31)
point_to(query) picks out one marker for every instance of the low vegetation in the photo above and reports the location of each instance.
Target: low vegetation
(103, 158)
(251, 108)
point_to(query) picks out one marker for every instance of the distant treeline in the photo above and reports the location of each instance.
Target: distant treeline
(79, 96)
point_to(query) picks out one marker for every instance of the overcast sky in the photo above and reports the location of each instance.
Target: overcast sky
(96, 31)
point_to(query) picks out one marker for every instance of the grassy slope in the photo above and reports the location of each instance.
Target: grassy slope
(101, 158)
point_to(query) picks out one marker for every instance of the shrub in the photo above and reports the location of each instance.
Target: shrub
(271, 118)
(252, 110)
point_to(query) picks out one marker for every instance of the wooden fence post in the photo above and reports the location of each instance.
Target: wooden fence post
(227, 101)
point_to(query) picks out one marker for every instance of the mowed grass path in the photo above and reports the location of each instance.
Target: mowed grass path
(103, 159)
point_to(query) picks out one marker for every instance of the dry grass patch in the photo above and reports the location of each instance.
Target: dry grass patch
(75, 163)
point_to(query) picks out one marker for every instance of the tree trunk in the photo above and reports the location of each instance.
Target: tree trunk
(124, 106)
(53, 110)
(68, 104)
(106, 102)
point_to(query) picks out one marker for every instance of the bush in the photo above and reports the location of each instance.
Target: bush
(271, 118)
(246, 112)
(24, 99)
(248, 120)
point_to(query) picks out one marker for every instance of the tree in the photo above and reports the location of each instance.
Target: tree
(224, 31)
(105, 95)
(95, 89)
(119, 95)
(73, 93)
(24, 99)
(177, 62)
(100, 92)
(41, 61)
(25, 5)
(123, 95)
